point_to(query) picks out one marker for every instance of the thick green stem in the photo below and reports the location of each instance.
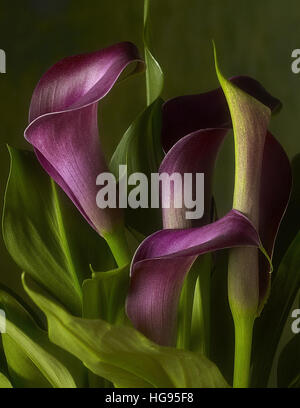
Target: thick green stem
(242, 358)
(243, 294)
(250, 119)
(118, 244)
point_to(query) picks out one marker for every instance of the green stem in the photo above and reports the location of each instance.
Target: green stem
(118, 244)
(242, 357)
(243, 295)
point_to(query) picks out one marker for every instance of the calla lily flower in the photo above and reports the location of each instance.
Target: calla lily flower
(63, 125)
(186, 114)
(193, 130)
(196, 126)
(260, 166)
(162, 262)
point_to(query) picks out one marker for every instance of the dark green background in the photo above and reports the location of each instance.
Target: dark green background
(252, 37)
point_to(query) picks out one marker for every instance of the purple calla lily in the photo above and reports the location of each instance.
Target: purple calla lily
(162, 262)
(255, 196)
(163, 259)
(63, 125)
(194, 153)
(200, 123)
(186, 114)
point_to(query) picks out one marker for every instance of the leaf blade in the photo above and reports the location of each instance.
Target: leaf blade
(154, 74)
(123, 355)
(4, 381)
(45, 235)
(32, 360)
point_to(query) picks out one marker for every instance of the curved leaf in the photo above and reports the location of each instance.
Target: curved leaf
(32, 360)
(44, 234)
(140, 147)
(104, 295)
(4, 381)
(123, 355)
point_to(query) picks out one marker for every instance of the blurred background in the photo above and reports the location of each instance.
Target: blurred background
(253, 38)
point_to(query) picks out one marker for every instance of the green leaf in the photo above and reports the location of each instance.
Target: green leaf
(45, 234)
(121, 354)
(296, 382)
(4, 381)
(193, 318)
(154, 74)
(3, 364)
(140, 149)
(268, 328)
(288, 371)
(105, 295)
(134, 238)
(33, 361)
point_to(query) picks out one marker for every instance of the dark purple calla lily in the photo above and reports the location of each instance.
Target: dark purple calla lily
(275, 190)
(257, 157)
(63, 125)
(190, 113)
(163, 259)
(162, 262)
(193, 129)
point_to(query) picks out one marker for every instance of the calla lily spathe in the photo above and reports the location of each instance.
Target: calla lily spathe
(63, 126)
(163, 259)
